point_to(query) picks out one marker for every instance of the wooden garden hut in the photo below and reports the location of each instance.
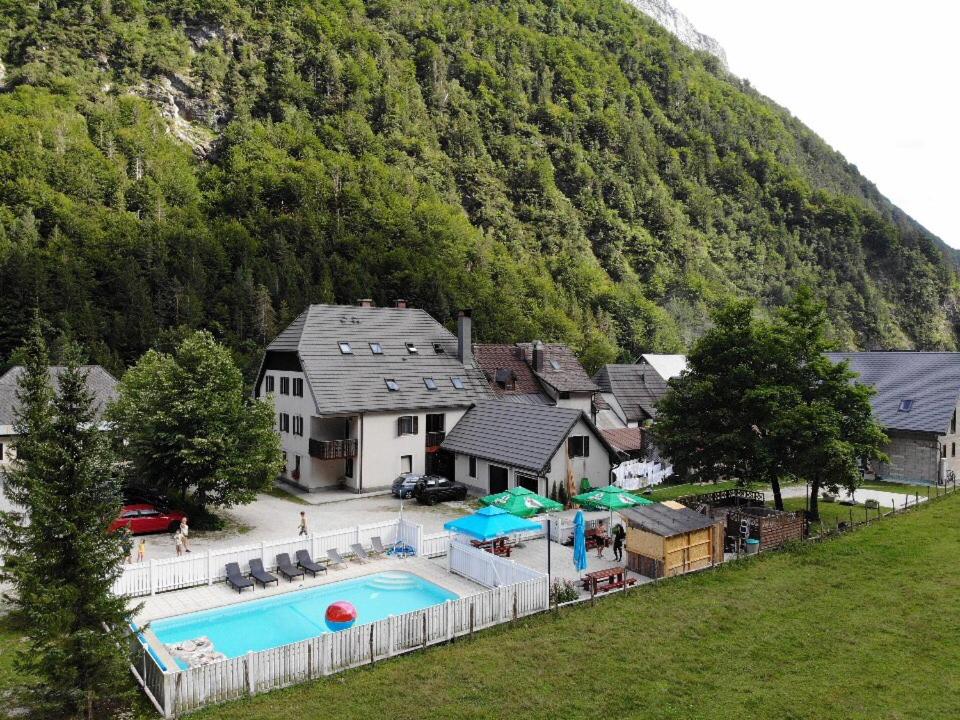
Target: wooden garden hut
(665, 539)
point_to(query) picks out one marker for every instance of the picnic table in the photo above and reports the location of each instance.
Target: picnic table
(600, 581)
(593, 539)
(497, 546)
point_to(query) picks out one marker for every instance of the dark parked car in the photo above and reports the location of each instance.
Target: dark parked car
(404, 485)
(433, 489)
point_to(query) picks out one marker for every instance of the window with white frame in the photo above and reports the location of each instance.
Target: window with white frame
(284, 422)
(268, 383)
(298, 387)
(284, 386)
(408, 425)
(298, 425)
(406, 464)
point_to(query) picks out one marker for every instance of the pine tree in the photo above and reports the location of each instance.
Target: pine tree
(62, 561)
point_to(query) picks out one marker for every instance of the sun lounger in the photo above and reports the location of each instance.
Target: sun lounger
(236, 578)
(304, 560)
(377, 544)
(359, 553)
(287, 568)
(335, 558)
(260, 575)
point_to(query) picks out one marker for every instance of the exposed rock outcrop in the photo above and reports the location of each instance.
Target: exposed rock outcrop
(678, 23)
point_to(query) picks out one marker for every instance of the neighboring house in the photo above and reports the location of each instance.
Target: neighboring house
(364, 393)
(546, 374)
(101, 384)
(631, 392)
(501, 444)
(917, 397)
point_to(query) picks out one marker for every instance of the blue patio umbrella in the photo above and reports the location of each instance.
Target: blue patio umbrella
(491, 522)
(579, 541)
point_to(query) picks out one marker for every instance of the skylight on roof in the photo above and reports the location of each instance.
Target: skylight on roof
(392, 385)
(438, 349)
(412, 348)
(376, 348)
(457, 382)
(430, 383)
(345, 348)
(905, 406)
(554, 364)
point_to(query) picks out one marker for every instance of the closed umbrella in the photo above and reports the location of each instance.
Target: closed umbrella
(521, 502)
(579, 542)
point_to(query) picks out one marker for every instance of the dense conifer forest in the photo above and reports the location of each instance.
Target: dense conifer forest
(566, 168)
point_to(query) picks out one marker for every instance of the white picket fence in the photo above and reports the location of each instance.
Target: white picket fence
(485, 568)
(434, 545)
(181, 691)
(153, 576)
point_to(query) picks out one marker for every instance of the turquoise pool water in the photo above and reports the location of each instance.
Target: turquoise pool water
(282, 619)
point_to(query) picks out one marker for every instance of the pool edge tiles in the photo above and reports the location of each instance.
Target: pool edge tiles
(264, 623)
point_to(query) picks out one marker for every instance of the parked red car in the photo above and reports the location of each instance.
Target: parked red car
(144, 518)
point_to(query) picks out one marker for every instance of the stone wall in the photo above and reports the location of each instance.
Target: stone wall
(913, 456)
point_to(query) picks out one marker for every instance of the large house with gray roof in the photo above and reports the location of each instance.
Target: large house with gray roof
(501, 444)
(366, 393)
(631, 391)
(101, 384)
(917, 398)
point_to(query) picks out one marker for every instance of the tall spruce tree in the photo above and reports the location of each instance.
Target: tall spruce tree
(61, 559)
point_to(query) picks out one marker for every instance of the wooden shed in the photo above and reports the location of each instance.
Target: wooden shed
(665, 539)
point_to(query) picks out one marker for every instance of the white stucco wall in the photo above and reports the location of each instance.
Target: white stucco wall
(8, 454)
(383, 447)
(577, 401)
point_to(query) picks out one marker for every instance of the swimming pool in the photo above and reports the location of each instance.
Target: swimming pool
(257, 625)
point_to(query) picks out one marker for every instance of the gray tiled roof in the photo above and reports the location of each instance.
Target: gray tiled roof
(353, 383)
(636, 389)
(101, 383)
(568, 376)
(521, 435)
(666, 521)
(930, 379)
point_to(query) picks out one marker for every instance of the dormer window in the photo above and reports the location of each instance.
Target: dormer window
(554, 364)
(905, 406)
(345, 348)
(457, 382)
(392, 385)
(438, 349)
(430, 383)
(412, 348)
(376, 348)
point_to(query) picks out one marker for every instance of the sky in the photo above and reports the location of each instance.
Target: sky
(876, 80)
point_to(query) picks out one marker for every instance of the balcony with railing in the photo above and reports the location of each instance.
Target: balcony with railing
(435, 438)
(333, 449)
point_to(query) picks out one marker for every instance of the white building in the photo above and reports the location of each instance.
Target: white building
(502, 444)
(631, 391)
(363, 393)
(101, 384)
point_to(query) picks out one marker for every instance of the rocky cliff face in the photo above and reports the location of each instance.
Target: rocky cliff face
(678, 23)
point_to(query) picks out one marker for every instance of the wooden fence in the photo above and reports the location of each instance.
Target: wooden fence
(181, 691)
(153, 576)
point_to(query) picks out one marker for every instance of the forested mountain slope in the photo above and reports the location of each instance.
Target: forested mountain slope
(566, 168)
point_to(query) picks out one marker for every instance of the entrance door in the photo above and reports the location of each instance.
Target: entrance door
(529, 482)
(498, 479)
(441, 463)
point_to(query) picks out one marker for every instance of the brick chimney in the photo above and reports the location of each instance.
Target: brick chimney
(400, 304)
(365, 302)
(538, 356)
(465, 336)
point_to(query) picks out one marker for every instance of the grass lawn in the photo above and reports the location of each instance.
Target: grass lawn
(671, 492)
(900, 488)
(278, 492)
(865, 626)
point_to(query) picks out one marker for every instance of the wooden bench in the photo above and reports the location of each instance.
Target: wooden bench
(600, 581)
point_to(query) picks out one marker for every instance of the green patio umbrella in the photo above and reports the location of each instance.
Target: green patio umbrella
(521, 502)
(609, 498)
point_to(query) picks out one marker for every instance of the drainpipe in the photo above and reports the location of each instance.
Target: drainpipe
(359, 469)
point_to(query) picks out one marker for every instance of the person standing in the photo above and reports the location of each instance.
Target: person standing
(303, 523)
(185, 534)
(142, 550)
(178, 542)
(127, 544)
(601, 537)
(618, 536)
